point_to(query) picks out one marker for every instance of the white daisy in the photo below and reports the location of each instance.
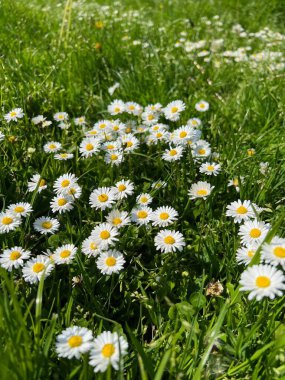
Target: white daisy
(129, 142)
(89, 146)
(102, 198)
(13, 258)
(37, 267)
(110, 262)
(157, 107)
(240, 211)
(118, 127)
(262, 281)
(201, 149)
(149, 117)
(64, 183)
(172, 110)
(169, 241)
(37, 182)
(46, 225)
(141, 215)
(63, 156)
(164, 216)
(74, 191)
(245, 254)
(123, 189)
(133, 108)
(90, 247)
(116, 107)
(185, 135)
(52, 147)
(60, 116)
(108, 349)
(38, 119)
(118, 218)
(236, 183)
(64, 254)
(194, 122)
(21, 208)
(9, 221)
(114, 158)
(105, 234)
(14, 115)
(144, 199)
(2, 136)
(202, 106)
(73, 342)
(274, 253)
(113, 88)
(253, 232)
(61, 203)
(158, 185)
(200, 190)
(80, 120)
(173, 154)
(210, 168)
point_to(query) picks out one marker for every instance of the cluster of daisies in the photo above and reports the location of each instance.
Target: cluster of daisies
(107, 349)
(262, 280)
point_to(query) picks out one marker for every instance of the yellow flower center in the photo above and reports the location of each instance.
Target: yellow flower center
(235, 182)
(121, 187)
(117, 221)
(7, 220)
(201, 151)
(105, 234)
(65, 253)
(202, 192)
(156, 128)
(75, 341)
(60, 117)
(19, 209)
(114, 157)
(14, 255)
(131, 107)
(144, 199)
(279, 252)
(93, 246)
(117, 109)
(63, 155)
(262, 281)
(42, 183)
(172, 152)
(158, 135)
(13, 113)
(194, 122)
(183, 134)
(89, 147)
(202, 105)
(150, 117)
(103, 197)
(93, 133)
(169, 240)
(174, 109)
(129, 144)
(164, 215)
(250, 253)
(65, 183)
(102, 126)
(142, 214)
(115, 128)
(110, 146)
(108, 350)
(110, 261)
(61, 202)
(52, 146)
(241, 210)
(47, 225)
(210, 168)
(255, 233)
(128, 130)
(38, 267)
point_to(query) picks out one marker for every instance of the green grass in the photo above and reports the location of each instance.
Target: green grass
(49, 63)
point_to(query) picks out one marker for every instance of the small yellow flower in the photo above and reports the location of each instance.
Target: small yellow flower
(99, 24)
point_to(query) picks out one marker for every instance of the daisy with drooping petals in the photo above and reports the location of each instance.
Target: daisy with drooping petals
(173, 154)
(89, 146)
(116, 107)
(123, 188)
(21, 208)
(110, 262)
(118, 218)
(202, 106)
(90, 247)
(253, 232)
(200, 190)
(172, 110)
(46, 225)
(108, 349)
(102, 198)
(209, 168)
(274, 252)
(164, 216)
(52, 147)
(169, 241)
(9, 221)
(14, 115)
(64, 254)
(240, 211)
(141, 215)
(64, 183)
(262, 281)
(73, 342)
(61, 203)
(245, 254)
(37, 267)
(13, 258)
(37, 182)
(105, 234)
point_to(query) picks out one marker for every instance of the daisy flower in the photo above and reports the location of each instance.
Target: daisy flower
(110, 262)
(74, 191)
(52, 147)
(64, 183)
(64, 254)
(89, 146)
(274, 253)
(202, 106)
(129, 142)
(37, 267)
(149, 117)
(141, 215)
(157, 107)
(80, 120)
(114, 158)
(262, 281)
(21, 208)
(118, 218)
(200, 190)
(164, 216)
(117, 126)
(245, 254)
(14, 115)
(60, 116)
(38, 119)
(169, 241)
(9, 221)
(73, 342)
(210, 168)
(236, 183)
(185, 135)
(102, 198)
(201, 149)
(46, 225)
(116, 107)
(144, 199)
(123, 189)
(108, 349)
(194, 122)
(158, 185)
(240, 211)
(61, 203)
(90, 247)
(172, 110)
(63, 156)
(13, 258)
(173, 154)
(253, 232)
(105, 234)
(111, 146)
(133, 108)
(37, 182)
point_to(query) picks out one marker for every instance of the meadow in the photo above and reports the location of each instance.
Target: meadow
(142, 189)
